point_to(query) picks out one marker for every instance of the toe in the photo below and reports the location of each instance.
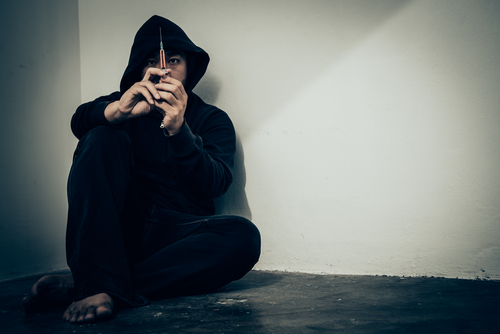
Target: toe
(103, 312)
(81, 314)
(73, 317)
(68, 314)
(89, 314)
(34, 289)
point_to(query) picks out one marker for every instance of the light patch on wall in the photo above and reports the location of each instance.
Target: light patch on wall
(386, 150)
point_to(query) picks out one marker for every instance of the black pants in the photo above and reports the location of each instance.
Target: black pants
(135, 252)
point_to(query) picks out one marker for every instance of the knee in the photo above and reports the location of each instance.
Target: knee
(104, 140)
(246, 241)
(105, 136)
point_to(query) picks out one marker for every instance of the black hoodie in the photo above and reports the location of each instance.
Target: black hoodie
(184, 172)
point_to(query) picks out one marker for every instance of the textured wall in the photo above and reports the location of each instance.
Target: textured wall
(40, 89)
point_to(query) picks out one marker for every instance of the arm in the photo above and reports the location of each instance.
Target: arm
(91, 114)
(138, 100)
(204, 162)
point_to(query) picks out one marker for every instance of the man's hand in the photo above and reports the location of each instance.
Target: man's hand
(172, 104)
(138, 100)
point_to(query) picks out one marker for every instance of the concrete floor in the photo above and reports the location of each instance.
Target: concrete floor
(276, 302)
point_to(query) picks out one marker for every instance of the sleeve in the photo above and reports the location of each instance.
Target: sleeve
(91, 114)
(204, 161)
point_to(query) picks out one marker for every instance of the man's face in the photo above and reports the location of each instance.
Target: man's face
(176, 65)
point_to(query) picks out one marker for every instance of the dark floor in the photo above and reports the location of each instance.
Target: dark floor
(276, 302)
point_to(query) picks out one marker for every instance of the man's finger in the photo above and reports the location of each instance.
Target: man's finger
(177, 91)
(153, 71)
(146, 93)
(172, 81)
(147, 90)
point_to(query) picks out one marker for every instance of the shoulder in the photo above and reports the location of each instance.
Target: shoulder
(199, 107)
(200, 115)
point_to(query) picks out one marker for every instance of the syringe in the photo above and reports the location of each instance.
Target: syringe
(162, 54)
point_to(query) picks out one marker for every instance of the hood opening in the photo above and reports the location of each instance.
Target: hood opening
(147, 41)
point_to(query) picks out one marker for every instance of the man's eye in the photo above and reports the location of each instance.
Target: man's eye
(173, 61)
(151, 62)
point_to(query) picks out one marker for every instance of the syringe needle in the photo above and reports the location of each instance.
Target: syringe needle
(162, 54)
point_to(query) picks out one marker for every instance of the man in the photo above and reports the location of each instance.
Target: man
(149, 162)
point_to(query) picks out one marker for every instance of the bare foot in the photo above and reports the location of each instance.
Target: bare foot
(96, 307)
(49, 291)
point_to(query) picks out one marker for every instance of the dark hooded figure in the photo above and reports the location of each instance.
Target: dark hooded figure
(149, 163)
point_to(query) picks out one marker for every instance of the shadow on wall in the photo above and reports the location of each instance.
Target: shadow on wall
(235, 200)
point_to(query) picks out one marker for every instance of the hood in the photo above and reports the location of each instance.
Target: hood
(147, 40)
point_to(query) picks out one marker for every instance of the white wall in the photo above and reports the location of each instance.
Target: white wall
(369, 129)
(39, 91)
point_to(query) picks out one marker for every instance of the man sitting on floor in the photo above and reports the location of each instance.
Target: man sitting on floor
(149, 163)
